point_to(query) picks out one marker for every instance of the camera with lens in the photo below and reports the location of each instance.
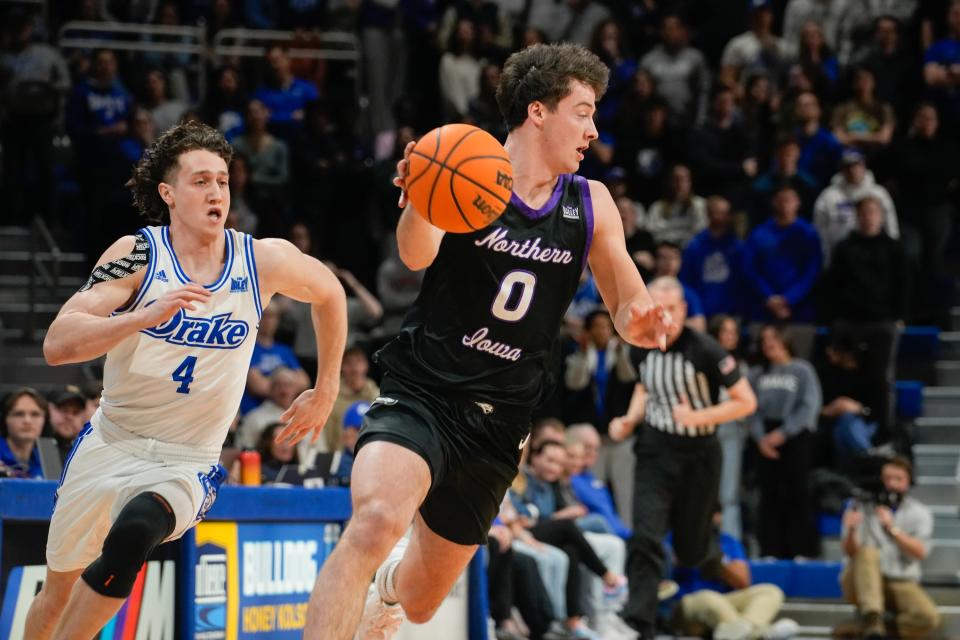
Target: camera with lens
(868, 488)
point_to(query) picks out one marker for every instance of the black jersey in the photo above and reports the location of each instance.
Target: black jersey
(696, 366)
(491, 304)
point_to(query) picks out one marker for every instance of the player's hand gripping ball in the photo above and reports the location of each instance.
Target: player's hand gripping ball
(460, 178)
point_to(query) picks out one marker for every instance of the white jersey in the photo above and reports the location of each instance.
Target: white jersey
(181, 381)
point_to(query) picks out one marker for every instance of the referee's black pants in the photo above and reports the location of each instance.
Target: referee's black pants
(677, 484)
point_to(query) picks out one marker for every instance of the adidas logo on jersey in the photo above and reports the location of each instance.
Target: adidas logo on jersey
(570, 212)
(218, 332)
(238, 285)
(161, 276)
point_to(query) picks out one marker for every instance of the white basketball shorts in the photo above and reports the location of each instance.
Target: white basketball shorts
(100, 475)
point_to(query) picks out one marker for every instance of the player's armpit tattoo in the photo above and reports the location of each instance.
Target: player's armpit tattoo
(122, 267)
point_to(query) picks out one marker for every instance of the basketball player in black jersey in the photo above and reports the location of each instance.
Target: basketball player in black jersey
(441, 445)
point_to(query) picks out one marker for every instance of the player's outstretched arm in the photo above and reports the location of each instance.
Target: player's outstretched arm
(418, 241)
(285, 269)
(84, 328)
(637, 319)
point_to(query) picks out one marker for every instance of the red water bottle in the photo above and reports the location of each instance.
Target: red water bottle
(250, 468)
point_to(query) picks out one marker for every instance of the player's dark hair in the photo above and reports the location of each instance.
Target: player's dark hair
(542, 73)
(162, 157)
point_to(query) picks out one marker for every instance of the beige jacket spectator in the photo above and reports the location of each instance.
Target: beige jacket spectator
(354, 386)
(285, 386)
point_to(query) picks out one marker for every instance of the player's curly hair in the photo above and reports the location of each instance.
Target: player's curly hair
(161, 157)
(542, 73)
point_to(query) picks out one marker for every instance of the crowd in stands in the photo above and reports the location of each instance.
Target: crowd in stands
(792, 162)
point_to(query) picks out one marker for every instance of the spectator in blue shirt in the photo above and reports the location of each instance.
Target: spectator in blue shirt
(267, 356)
(96, 119)
(819, 148)
(583, 444)
(711, 262)
(784, 170)
(781, 262)
(285, 96)
(24, 414)
(352, 421)
(941, 66)
(97, 107)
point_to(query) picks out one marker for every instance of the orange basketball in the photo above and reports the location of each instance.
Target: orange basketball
(460, 178)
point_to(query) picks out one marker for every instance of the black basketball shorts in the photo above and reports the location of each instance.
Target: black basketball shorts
(472, 449)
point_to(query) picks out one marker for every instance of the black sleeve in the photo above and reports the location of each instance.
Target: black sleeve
(123, 267)
(719, 366)
(637, 357)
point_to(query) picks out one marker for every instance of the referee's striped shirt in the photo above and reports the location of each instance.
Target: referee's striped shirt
(694, 366)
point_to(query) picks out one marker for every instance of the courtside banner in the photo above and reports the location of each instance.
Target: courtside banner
(148, 614)
(253, 580)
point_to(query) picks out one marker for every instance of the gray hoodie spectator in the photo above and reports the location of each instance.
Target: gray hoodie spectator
(786, 393)
(681, 72)
(788, 405)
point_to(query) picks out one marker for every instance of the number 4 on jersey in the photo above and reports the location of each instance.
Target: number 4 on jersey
(184, 374)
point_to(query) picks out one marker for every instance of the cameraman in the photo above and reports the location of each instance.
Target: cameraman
(885, 537)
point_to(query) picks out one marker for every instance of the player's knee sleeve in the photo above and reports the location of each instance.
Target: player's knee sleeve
(142, 524)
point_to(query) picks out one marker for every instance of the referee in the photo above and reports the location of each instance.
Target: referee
(676, 404)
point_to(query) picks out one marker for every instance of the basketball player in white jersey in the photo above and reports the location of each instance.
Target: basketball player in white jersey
(175, 309)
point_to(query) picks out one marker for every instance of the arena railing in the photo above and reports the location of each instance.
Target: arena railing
(339, 46)
(43, 249)
(120, 36)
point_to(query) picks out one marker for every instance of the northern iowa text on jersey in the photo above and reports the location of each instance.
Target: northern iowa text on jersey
(480, 342)
(497, 241)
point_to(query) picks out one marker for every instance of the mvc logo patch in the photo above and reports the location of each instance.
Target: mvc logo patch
(238, 285)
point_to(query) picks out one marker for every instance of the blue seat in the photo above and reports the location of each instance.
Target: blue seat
(800, 579)
(919, 343)
(909, 399)
(828, 524)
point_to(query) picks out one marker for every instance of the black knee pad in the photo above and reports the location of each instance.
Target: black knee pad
(142, 524)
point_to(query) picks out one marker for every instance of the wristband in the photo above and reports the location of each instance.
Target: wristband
(893, 531)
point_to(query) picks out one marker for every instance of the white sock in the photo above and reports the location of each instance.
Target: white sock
(386, 586)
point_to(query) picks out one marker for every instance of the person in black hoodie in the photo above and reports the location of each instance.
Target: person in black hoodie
(868, 285)
(722, 152)
(854, 413)
(647, 149)
(926, 165)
